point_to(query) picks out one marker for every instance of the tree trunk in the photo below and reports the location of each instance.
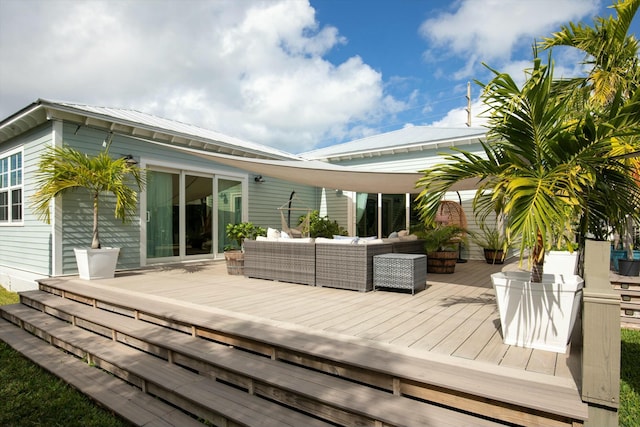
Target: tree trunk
(95, 242)
(538, 260)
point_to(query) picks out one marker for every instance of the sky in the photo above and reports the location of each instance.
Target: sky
(291, 74)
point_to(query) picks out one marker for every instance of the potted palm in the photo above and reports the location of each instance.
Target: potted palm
(234, 254)
(547, 164)
(441, 244)
(64, 169)
(493, 241)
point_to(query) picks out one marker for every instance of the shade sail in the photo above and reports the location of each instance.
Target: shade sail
(321, 174)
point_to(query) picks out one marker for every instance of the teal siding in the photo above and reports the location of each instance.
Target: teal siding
(265, 198)
(410, 161)
(337, 206)
(77, 207)
(27, 247)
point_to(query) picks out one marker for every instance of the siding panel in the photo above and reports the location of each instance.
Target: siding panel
(27, 247)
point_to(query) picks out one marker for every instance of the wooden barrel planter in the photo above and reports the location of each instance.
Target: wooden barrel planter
(443, 262)
(235, 262)
(494, 256)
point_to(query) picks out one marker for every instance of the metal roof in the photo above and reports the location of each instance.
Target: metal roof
(135, 123)
(412, 138)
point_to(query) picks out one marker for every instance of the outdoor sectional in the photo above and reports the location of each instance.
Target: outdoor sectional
(323, 262)
(287, 261)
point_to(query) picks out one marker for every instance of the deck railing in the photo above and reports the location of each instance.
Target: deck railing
(601, 338)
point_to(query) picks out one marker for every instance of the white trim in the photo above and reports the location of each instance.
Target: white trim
(57, 128)
(182, 213)
(379, 232)
(8, 154)
(21, 116)
(171, 166)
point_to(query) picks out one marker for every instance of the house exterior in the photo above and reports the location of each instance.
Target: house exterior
(189, 198)
(409, 149)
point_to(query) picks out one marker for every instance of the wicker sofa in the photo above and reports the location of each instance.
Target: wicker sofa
(325, 262)
(293, 260)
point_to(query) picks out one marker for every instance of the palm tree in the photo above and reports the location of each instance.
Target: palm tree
(539, 168)
(63, 169)
(610, 53)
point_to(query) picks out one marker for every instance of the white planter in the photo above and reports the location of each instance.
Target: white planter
(560, 262)
(96, 263)
(538, 315)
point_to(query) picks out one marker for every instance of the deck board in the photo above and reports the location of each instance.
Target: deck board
(455, 315)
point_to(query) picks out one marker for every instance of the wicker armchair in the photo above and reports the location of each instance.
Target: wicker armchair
(291, 261)
(347, 266)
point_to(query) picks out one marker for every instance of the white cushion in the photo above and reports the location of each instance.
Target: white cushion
(370, 241)
(409, 237)
(273, 233)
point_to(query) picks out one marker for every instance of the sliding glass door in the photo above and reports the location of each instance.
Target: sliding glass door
(163, 197)
(198, 215)
(187, 216)
(230, 207)
(380, 214)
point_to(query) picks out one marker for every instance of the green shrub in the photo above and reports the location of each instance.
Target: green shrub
(321, 226)
(244, 230)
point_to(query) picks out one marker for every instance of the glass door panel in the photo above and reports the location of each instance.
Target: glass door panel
(198, 211)
(162, 214)
(394, 213)
(366, 214)
(229, 209)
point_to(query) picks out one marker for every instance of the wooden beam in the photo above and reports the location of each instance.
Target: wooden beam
(601, 338)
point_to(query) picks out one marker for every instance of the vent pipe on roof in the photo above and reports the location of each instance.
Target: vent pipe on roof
(468, 104)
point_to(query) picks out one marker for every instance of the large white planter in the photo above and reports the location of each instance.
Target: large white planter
(538, 315)
(560, 262)
(96, 263)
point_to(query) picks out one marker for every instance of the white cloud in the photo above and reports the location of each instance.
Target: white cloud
(254, 70)
(490, 30)
(458, 117)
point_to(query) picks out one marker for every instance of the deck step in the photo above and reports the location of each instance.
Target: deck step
(325, 396)
(203, 397)
(128, 402)
(523, 398)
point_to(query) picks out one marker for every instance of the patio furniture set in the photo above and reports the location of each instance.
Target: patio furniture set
(365, 266)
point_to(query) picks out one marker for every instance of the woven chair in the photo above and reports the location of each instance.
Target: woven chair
(347, 266)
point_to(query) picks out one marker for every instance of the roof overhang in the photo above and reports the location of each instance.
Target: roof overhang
(324, 175)
(42, 111)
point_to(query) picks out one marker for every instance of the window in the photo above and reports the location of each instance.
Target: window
(11, 205)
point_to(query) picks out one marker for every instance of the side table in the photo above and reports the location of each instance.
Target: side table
(400, 271)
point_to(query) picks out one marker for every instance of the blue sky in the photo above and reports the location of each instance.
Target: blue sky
(291, 74)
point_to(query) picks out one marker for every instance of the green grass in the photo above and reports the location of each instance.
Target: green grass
(629, 413)
(7, 297)
(31, 396)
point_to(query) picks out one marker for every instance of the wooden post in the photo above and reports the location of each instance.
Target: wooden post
(601, 338)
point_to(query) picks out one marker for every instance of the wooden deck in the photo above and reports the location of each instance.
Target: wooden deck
(289, 350)
(456, 316)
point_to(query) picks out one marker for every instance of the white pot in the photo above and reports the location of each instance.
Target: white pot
(538, 315)
(96, 263)
(560, 262)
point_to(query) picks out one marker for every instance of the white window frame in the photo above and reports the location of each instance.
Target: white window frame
(11, 187)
